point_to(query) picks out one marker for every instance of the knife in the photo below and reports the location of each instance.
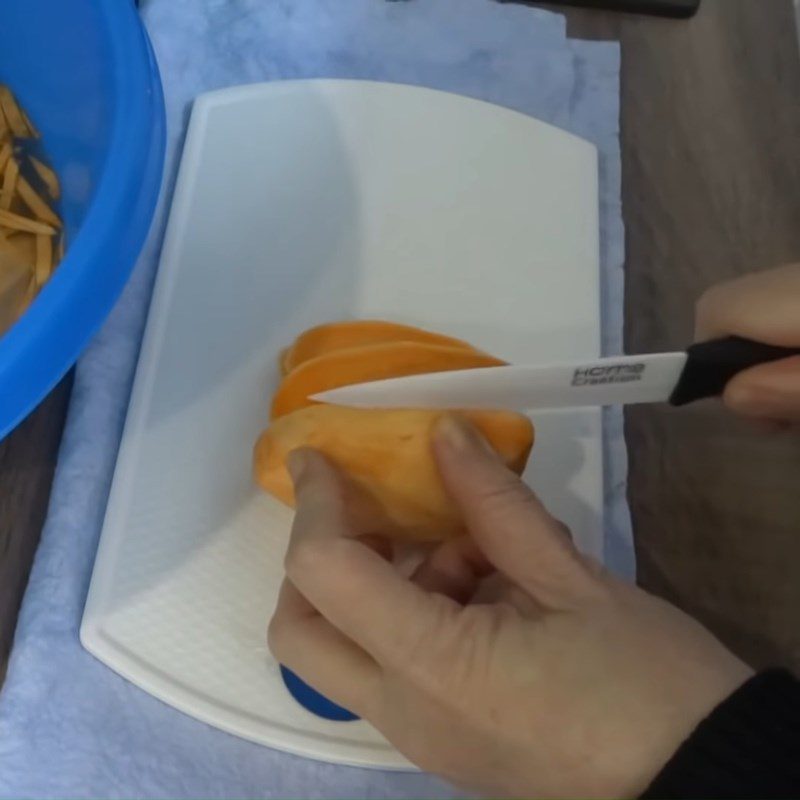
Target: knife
(678, 378)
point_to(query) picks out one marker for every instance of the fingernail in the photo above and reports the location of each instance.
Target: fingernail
(461, 436)
(296, 463)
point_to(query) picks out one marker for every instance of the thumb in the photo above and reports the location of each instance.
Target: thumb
(508, 522)
(770, 391)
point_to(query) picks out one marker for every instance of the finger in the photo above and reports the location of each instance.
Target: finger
(454, 569)
(768, 427)
(380, 544)
(508, 522)
(562, 530)
(324, 486)
(498, 590)
(310, 646)
(350, 585)
(761, 306)
(768, 391)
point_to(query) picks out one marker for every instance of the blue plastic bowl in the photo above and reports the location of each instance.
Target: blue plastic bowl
(85, 73)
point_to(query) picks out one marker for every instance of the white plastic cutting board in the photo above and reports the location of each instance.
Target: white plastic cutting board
(297, 203)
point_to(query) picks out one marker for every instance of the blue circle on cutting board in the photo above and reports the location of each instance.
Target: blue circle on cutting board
(312, 700)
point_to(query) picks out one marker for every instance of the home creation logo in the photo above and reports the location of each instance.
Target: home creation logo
(613, 373)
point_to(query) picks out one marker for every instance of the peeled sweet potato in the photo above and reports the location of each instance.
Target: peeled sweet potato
(388, 454)
(373, 363)
(333, 336)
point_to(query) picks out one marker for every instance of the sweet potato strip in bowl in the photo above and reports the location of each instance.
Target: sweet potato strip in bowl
(31, 241)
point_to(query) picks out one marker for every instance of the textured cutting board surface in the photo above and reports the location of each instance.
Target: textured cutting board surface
(297, 203)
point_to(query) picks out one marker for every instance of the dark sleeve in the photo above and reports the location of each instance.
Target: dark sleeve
(748, 747)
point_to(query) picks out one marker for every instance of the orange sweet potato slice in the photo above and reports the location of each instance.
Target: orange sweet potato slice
(16, 222)
(15, 280)
(35, 204)
(44, 259)
(388, 455)
(28, 224)
(325, 339)
(47, 177)
(17, 122)
(24, 247)
(9, 186)
(5, 153)
(372, 363)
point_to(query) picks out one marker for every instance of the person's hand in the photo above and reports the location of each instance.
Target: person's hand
(764, 306)
(553, 679)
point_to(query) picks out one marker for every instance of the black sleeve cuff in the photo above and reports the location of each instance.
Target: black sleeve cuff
(748, 747)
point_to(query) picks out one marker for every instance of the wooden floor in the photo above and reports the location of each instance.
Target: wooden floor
(711, 189)
(27, 462)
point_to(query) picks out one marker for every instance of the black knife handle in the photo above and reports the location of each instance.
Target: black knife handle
(662, 8)
(710, 365)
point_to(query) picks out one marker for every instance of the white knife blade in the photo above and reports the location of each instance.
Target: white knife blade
(606, 381)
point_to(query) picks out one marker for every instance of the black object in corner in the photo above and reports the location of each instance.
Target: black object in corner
(710, 365)
(662, 8)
